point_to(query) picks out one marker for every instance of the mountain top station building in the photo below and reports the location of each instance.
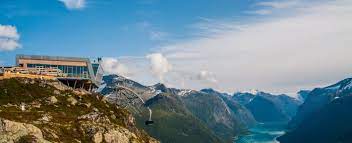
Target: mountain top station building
(72, 71)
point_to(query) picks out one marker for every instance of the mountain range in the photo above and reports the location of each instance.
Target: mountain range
(196, 116)
(34, 110)
(267, 107)
(324, 117)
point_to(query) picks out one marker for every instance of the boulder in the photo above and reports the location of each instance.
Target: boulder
(72, 100)
(11, 132)
(52, 100)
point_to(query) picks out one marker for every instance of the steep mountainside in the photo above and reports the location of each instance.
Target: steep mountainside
(238, 112)
(214, 116)
(265, 110)
(210, 107)
(266, 107)
(331, 124)
(112, 81)
(217, 115)
(175, 123)
(303, 94)
(243, 98)
(320, 97)
(40, 111)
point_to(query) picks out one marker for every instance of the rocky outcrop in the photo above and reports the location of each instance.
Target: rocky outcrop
(110, 133)
(11, 132)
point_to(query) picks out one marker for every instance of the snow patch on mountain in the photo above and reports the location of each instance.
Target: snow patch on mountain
(348, 86)
(253, 91)
(184, 92)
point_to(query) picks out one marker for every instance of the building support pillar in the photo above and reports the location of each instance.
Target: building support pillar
(74, 86)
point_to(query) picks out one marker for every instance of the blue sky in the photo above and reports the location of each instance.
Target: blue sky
(107, 27)
(278, 46)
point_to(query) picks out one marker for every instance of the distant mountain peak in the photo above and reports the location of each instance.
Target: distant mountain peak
(251, 91)
(254, 91)
(209, 90)
(341, 85)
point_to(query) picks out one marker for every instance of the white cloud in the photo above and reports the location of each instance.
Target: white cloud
(279, 4)
(159, 65)
(9, 38)
(261, 12)
(113, 66)
(206, 76)
(280, 54)
(270, 7)
(74, 4)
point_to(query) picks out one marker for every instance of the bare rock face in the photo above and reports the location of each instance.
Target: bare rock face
(52, 100)
(110, 133)
(99, 129)
(11, 132)
(98, 137)
(120, 135)
(56, 92)
(72, 100)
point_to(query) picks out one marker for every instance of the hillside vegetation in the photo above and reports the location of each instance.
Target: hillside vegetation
(35, 111)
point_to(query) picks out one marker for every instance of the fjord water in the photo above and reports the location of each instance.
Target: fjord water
(263, 133)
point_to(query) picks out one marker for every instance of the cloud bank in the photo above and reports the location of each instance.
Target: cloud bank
(283, 54)
(74, 4)
(9, 38)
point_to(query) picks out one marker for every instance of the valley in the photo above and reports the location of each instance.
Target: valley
(211, 116)
(206, 115)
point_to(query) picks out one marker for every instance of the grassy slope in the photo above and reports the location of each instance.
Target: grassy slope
(64, 122)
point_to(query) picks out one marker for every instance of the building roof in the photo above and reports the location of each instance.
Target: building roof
(51, 58)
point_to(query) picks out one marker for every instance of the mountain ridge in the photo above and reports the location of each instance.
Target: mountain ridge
(324, 117)
(223, 118)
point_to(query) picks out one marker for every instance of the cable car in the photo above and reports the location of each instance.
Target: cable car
(149, 122)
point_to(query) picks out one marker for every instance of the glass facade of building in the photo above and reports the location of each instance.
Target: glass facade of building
(68, 71)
